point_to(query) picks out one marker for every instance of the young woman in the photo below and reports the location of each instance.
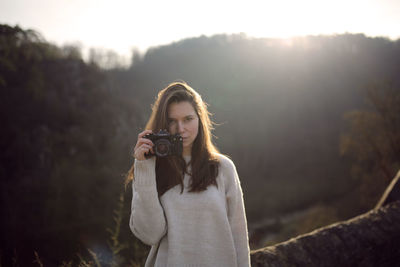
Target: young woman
(188, 208)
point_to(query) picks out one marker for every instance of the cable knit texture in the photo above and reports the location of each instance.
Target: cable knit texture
(198, 229)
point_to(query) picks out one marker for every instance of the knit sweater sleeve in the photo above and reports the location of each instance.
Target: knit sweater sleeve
(147, 220)
(237, 215)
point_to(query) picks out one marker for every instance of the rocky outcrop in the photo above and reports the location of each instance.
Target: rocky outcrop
(371, 239)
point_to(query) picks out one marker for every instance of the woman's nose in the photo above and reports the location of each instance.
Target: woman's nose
(180, 127)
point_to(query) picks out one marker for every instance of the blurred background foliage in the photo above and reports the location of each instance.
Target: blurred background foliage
(312, 124)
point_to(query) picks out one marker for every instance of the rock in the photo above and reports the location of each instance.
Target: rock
(371, 239)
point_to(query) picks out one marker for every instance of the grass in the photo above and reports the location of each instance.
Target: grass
(116, 246)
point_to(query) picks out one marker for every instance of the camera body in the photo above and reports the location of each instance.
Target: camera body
(165, 144)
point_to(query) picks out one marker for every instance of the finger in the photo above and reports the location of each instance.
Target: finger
(151, 149)
(139, 152)
(146, 148)
(145, 141)
(144, 133)
(142, 140)
(141, 143)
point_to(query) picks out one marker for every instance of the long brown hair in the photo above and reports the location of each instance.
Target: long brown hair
(204, 160)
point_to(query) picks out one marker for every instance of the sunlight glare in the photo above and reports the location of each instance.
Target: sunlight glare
(120, 25)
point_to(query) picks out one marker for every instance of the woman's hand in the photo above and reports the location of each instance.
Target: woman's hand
(143, 146)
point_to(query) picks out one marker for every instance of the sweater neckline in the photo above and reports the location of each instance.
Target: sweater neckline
(187, 158)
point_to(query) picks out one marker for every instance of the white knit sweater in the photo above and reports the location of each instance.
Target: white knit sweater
(191, 229)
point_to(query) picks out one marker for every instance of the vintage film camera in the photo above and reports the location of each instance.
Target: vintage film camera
(165, 144)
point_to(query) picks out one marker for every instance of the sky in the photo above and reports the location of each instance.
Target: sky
(123, 25)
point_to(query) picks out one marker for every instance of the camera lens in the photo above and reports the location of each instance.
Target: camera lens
(162, 147)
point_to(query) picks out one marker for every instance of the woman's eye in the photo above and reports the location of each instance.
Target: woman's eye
(189, 119)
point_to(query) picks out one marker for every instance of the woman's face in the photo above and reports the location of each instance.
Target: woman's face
(183, 119)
